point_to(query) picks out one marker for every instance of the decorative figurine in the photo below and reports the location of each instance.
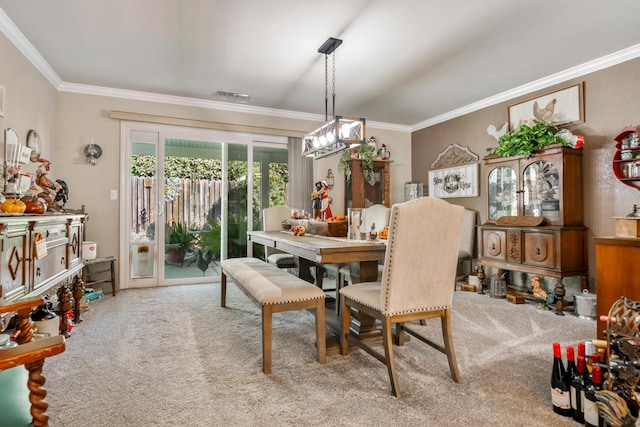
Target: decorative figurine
(49, 187)
(538, 292)
(373, 234)
(326, 201)
(316, 203)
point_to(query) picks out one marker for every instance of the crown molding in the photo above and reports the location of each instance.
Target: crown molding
(20, 41)
(29, 51)
(562, 76)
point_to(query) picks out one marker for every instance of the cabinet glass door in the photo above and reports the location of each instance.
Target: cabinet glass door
(541, 195)
(503, 198)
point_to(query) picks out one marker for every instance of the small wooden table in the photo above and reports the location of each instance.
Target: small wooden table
(108, 264)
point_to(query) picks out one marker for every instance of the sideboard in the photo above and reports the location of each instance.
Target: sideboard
(22, 272)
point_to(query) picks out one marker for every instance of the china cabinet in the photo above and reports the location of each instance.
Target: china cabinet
(546, 185)
(626, 160)
(361, 192)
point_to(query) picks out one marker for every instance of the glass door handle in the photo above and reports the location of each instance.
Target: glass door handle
(160, 209)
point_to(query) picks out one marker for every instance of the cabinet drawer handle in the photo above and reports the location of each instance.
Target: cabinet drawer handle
(493, 245)
(538, 250)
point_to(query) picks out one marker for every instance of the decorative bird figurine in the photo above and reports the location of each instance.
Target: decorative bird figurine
(62, 195)
(49, 187)
(491, 130)
(545, 113)
(614, 409)
(203, 261)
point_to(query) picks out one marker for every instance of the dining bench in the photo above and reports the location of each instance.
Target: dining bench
(274, 290)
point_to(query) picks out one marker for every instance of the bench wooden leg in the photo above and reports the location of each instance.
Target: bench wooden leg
(223, 290)
(267, 338)
(321, 339)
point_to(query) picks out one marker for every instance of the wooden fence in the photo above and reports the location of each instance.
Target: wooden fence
(185, 201)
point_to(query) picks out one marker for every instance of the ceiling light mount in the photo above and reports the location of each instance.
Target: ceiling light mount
(231, 96)
(340, 133)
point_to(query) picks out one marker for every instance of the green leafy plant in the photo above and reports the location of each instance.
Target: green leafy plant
(527, 140)
(180, 239)
(362, 152)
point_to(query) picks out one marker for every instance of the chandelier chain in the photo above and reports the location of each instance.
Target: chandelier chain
(333, 88)
(326, 87)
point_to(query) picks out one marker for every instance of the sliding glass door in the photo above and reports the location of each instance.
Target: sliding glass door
(189, 197)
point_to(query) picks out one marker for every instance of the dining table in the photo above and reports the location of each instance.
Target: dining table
(362, 256)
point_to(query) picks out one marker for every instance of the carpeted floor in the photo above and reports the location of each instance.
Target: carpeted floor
(171, 357)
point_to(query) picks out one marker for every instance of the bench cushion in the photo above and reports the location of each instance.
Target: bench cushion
(268, 284)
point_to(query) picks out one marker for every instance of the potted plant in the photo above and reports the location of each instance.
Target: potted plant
(527, 140)
(208, 246)
(180, 242)
(363, 152)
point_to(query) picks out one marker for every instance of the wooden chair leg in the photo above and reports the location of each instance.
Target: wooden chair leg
(321, 337)
(345, 326)
(448, 344)
(387, 340)
(37, 394)
(223, 290)
(267, 338)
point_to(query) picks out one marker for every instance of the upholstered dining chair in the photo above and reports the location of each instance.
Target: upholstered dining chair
(467, 243)
(420, 263)
(272, 221)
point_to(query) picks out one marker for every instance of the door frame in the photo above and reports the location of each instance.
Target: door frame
(164, 131)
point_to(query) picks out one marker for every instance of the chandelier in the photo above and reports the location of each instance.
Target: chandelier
(340, 133)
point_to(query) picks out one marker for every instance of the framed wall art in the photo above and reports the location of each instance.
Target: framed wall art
(460, 181)
(563, 107)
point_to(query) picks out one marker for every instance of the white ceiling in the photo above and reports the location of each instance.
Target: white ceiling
(403, 62)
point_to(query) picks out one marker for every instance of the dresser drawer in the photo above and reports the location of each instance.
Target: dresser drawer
(539, 249)
(494, 244)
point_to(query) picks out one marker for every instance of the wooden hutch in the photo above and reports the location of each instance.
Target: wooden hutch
(547, 184)
(361, 192)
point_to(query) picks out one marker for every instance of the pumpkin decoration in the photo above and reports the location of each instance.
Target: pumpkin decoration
(34, 205)
(13, 206)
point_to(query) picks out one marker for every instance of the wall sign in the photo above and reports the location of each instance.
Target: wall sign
(460, 181)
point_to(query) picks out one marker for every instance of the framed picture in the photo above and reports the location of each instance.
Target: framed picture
(564, 107)
(460, 181)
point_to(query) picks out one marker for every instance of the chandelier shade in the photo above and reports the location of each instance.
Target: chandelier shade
(333, 137)
(341, 132)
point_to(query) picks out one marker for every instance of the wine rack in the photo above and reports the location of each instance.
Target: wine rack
(623, 325)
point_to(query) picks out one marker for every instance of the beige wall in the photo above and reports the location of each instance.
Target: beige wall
(30, 100)
(81, 117)
(611, 102)
(67, 121)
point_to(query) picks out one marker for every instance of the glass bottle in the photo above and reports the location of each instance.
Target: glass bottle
(577, 390)
(592, 416)
(560, 398)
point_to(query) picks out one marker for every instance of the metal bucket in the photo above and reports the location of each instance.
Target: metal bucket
(585, 305)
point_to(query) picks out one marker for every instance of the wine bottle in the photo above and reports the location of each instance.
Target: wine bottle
(592, 416)
(588, 353)
(560, 398)
(570, 372)
(577, 390)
